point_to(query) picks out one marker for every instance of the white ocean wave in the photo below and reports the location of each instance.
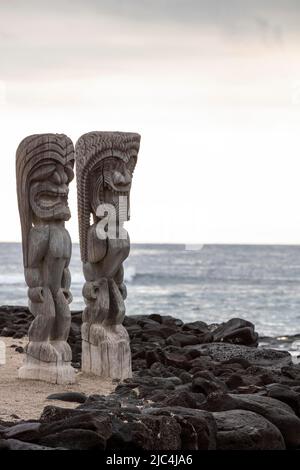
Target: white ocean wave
(129, 273)
(12, 278)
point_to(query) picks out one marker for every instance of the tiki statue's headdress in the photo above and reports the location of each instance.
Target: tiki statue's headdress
(92, 151)
(37, 155)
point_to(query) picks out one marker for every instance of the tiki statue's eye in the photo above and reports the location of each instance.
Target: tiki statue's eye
(70, 173)
(43, 172)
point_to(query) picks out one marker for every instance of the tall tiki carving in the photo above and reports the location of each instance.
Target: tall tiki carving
(104, 165)
(44, 169)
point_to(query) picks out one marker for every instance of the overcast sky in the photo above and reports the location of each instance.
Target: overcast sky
(213, 87)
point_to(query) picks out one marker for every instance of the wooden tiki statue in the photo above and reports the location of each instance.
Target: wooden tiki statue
(44, 169)
(105, 162)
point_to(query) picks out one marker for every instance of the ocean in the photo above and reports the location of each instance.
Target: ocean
(213, 283)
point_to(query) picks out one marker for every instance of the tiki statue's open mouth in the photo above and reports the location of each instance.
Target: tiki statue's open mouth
(49, 191)
(51, 197)
(49, 201)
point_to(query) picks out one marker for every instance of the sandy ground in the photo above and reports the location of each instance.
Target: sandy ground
(25, 399)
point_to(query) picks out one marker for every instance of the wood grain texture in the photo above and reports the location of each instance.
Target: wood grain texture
(105, 162)
(44, 169)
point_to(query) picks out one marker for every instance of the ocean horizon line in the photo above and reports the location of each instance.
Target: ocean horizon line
(185, 244)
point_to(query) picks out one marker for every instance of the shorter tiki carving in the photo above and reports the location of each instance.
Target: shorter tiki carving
(44, 169)
(104, 164)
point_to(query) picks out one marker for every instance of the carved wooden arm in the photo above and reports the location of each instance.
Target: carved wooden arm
(66, 284)
(97, 246)
(37, 249)
(119, 280)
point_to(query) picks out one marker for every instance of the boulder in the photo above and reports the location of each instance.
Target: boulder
(15, 444)
(286, 395)
(234, 381)
(292, 371)
(275, 411)
(202, 425)
(80, 431)
(185, 377)
(168, 320)
(236, 331)
(206, 386)
(87, 420)
(76, 397)
(75, 439)
(184, 399)
(165, 432)
(129, 436)
(51, 414)
(245, 430)
(29, 431)
(6, 331)
(144, 432)
(176, 360)
(196, 327)
(183, 339)
(258, 356)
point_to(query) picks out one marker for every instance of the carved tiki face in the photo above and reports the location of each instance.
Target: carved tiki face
(109, 181)
(105, 162)
(44, 165)
(49, 189)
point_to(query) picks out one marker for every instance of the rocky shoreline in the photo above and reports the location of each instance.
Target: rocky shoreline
(194, 387)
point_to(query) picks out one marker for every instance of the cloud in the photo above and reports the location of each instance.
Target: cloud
(200, 12)
(86, 37)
